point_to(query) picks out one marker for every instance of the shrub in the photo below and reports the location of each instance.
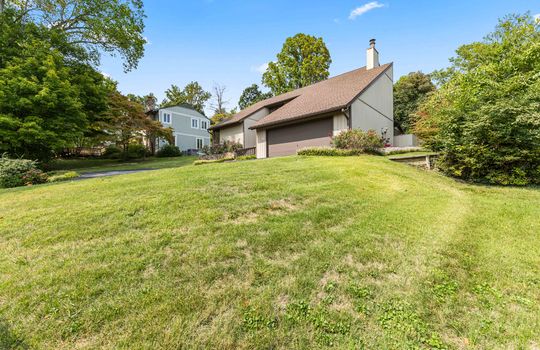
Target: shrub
(19, 172)
(366, 142)
(169, 151)
(112, 152)
(219, 148)
(64, 176)
(136, 151)
(246, 157)
(329, 152)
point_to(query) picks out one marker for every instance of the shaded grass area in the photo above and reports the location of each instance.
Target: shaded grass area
(95, 165)
(298, 252)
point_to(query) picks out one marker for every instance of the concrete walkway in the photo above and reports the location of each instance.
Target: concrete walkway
(96, 174)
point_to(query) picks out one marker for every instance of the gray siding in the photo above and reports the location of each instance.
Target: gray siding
(181, 121)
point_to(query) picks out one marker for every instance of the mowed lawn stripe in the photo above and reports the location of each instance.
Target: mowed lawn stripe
(287, 253)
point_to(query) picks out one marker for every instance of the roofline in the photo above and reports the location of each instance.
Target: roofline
(226, 124)
(307, 116)
(180, 106)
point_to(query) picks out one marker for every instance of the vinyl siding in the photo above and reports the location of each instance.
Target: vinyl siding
(185, 135)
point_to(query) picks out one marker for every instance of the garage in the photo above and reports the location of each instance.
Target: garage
(287, 140)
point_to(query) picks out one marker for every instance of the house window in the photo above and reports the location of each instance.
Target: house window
(204, 124)
(166, 118)
(199, 143)
(195, 123)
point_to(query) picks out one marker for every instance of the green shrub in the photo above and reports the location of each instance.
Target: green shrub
(329, 152)
(112, 152)
(63, 176)
(246, 157)
(366, 142)
(136, 151)
(210, 161)
(19, 172)
(169, 151)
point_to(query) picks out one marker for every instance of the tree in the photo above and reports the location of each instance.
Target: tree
(113, 26)
(48, 102)
(219, 99)
(303, 60)
(409, 91)
(219, 117)
(127, 121)
(485, 119)
(192, 94)
(252, 95)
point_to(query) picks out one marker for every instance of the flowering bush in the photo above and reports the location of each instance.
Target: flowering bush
(354, 139)
(19, 172)
(225, 147)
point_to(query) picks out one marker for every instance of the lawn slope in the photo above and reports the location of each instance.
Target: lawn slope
(291, 253)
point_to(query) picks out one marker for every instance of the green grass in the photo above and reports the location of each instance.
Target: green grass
(290, 253)
(94, 165)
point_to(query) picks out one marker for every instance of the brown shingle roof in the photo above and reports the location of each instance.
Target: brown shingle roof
(325, 96)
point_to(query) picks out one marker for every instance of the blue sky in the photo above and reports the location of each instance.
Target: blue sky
(228, 41)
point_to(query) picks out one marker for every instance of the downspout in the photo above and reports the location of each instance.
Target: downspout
(347, 113)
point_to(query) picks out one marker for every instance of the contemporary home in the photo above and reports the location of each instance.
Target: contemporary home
(190, 128)
(310, 116)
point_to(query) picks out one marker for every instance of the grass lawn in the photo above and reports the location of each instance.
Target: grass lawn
(93, 165)
(290, 253)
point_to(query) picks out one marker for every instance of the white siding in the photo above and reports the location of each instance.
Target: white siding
(232, 133)
(251, 135)
(374, 109)
(340, 123)
(261, 143)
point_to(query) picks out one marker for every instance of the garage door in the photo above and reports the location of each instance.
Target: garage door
(288, 139)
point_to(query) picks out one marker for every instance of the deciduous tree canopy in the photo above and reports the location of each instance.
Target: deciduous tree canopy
(486, 118)
(192, 94)
(252, 95)
(303, 60)
(409, 91)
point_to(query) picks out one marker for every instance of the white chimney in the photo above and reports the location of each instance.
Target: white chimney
(372, 56)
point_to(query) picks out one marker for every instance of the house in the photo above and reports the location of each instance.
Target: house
(190, 128)
(310, 116)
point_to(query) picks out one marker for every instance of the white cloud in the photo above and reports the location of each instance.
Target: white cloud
(260, 69)
(359, 11)
(106, 75)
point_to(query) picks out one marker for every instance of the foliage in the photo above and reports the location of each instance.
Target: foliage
(137, 151)
(405, 150)
(356, 139)
(220, 148)
(126, 122)
(252, 95)
(329, 152)
(114, 26)
(218, 105)
(112, 152)
(219, 117)
(486, 119)
(168, 151)
(211, 161)
(303, 60)
(409, 91)
(192, 94)
(250, 157)
(49, 101)
(19, 172)
(64, 176)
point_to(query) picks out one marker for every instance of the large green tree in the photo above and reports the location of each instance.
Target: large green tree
(303, 60)
(192, 94)
(486, 118)
(251, 95)
(48, 101)
(113, 26)
(409, 91)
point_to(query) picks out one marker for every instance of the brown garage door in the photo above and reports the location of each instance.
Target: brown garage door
(288, 139)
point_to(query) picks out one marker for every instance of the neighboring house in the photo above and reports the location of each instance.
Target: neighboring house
(310, 116)
(190, 128)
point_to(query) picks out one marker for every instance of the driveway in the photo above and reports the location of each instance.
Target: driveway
(96, 174)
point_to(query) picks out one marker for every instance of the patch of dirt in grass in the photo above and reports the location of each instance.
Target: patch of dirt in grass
(282, 302)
